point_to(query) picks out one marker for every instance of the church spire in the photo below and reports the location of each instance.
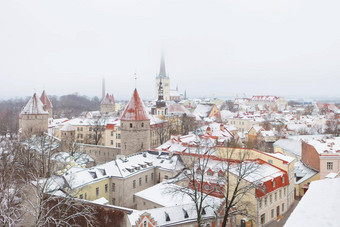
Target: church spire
(162, 72)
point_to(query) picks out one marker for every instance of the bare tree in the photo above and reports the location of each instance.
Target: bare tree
(97, 130)
(163, 132)
(333, 126)
(10, 182)
(48, 198)
(236, 169)
(194, 175)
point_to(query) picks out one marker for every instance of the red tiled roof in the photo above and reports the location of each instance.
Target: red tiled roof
(135, 111)
(45, 100)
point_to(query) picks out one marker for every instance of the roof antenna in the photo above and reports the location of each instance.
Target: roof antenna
(135, 81)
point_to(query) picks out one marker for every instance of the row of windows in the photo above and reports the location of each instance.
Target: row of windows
(272, 213)
(140, 180)
(265, 201)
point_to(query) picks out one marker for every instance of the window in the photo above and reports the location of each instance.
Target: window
(283, 207)
(130, 125)
(151, 176)
(270, 161)
(144, 224)
(260, 203)
(90, 129)
(274, 184)
(117, 136)
(209, 173)
(81, 196)
(85, 195)
(111, 133)
(106, 187)
(166, 177)
(140, 181)
(272, 213)
(97, 191)
(263, 218)
(146, 178)
(134, 183)
(284, 191)
(142, 124)
(113, 187)
(133, 199)
(280, 194)
(275, 196)
(283, 180)
(271, 198)
(113, 201)
(265, 201)
(329, 165)
(111, 142)
(206, 187)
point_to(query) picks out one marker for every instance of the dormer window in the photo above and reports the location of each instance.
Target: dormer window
(283, 180)
(274, 184)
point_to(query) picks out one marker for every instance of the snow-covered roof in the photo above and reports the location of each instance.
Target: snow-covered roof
(68, 127)
(292, 146)
(264, 98)
(34, 106)
(163, 194)
(303, 172)
(203, 110)
(319, 206)
(135, 110)
(178, 109)
(286, 158)
(45, 100)
(172, 216)
(331, 145)
(108, 99)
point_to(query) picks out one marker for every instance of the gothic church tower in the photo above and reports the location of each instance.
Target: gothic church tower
(135, 127)
(165, 80)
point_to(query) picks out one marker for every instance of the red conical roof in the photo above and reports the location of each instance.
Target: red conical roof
(45, 100)
(135, 110)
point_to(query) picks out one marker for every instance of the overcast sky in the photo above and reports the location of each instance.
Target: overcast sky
(279, 47)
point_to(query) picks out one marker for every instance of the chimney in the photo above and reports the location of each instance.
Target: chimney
(208, 130)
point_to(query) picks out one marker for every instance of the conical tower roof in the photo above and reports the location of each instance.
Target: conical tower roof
(45, 100)
(34, 106)
(162, 71)
(109, 99)
(135, 110)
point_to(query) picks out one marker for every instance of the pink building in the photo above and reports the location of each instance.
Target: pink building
(322, 155)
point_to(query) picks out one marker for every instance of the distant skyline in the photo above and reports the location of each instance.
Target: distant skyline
(215, 48)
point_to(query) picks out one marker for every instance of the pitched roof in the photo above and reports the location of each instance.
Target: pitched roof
(135, 110)
(108, 99)
(45, 100)
(34, 106)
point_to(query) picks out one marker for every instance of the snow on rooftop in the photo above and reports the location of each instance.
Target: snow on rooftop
(331, 145)
(286, 158)
(292, 146)
(135, 110)
(319, 206)
(34, 106)
(163, 194)
(303, 172)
